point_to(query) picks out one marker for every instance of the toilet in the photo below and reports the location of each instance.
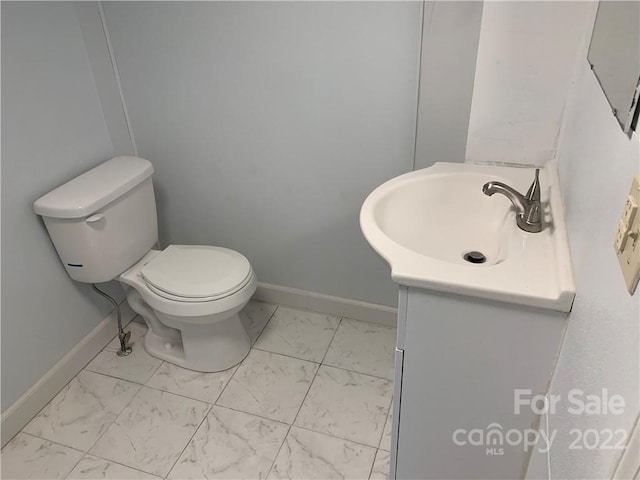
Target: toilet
(104, 227)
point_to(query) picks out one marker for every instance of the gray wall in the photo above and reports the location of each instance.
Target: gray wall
(526, 53)
(269, 123)
(602, 343)
(52, 130)
(447, 72)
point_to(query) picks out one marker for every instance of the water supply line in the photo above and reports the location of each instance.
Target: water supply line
(123, 336)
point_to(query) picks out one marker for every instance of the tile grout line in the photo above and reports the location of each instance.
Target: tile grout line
(113, 421)
(114, 377)
(275, 457)
(316, 373)
(375, 455)
(229, 380)
(285, 355)
(359, 373)
(336, 437)
(110, 461)
(241, 362)
(368, 322)
(251, 414)
(386, 419)
(302, 403)
(76, 464)
(47, 440)
(331, 341)
(265, 325)
(325, 364)
(162, 362)
(144, 384)
(181, 395)
(99, 436)
(290, 424)
(56, 443)
(322, 361)
(141, 386)
(189, 441)
(390, 403)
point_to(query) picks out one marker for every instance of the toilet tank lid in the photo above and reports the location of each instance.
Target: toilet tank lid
(94, 189)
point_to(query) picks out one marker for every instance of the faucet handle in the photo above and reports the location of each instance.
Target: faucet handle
(533, 194)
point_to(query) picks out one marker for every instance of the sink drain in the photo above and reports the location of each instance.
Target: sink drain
(474, 257)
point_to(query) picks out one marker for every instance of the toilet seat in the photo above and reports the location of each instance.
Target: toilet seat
(196, 273)
(177, 298)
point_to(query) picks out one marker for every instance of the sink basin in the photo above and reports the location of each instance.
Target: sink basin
(425, 223)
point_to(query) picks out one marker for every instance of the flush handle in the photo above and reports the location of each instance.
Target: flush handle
(95, 218)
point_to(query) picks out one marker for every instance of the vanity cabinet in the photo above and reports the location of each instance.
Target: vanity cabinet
(459, 363)
(486, 284)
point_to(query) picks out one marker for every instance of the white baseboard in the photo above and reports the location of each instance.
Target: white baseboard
(342, 307)
(33, 400)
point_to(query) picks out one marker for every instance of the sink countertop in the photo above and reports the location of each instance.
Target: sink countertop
(423, 222)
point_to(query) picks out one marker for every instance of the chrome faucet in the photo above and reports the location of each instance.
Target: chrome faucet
(528, 208)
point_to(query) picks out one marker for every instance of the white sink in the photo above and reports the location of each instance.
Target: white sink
(424, 222)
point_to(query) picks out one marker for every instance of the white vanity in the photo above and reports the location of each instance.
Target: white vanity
(482, 310)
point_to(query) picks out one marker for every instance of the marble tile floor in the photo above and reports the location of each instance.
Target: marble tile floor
(312, 400)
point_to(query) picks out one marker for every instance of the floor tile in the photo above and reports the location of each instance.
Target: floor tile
(164, 429)
(91, 467)
(385, 443)
(82, 410)
(138, 331)
(298, 333)
(152, 431)
(231, 444)
(254, 317)
(311, 455)
(347, 405)
(363, 347)
(380, 469)
(269, 385)
(26, 456)
(137, 367)
(201, 386)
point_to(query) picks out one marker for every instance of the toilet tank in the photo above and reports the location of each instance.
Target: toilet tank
(103, 221)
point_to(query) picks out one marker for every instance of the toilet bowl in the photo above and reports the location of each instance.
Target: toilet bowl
(104, 227)
(192, 306)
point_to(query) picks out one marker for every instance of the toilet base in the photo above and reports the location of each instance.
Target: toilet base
(209, 343)
(208, 349)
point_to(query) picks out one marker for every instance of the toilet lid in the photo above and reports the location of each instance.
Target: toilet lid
(197, 271)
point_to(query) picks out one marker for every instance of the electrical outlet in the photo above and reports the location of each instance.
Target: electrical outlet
(627, 241)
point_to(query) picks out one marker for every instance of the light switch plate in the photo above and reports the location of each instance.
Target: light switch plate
(627, 241)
